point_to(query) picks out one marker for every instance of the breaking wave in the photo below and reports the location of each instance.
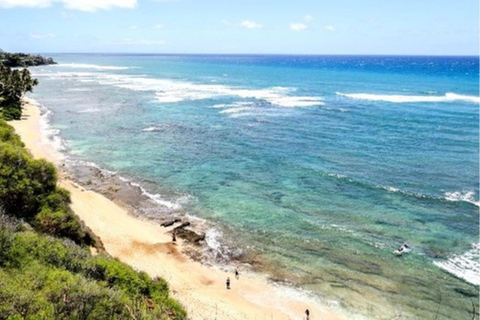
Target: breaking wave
(89, 66)
(448, 97)
(465, 266)
(466, 196)
(172, 91)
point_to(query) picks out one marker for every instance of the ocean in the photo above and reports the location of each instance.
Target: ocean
(311, 169)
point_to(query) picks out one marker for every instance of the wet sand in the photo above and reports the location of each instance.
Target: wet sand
(147, 246)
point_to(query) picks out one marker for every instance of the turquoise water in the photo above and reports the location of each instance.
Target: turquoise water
(316, 167)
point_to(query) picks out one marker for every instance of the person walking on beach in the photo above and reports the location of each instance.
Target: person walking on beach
(228, 283)
(236, 274)
(307, 312)
(174, 237)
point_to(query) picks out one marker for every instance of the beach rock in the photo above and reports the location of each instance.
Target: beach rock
(170, 222)
(190, 236)
(183, 225)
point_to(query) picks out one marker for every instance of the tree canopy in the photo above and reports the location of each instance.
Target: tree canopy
(18, 59)
(14, 83)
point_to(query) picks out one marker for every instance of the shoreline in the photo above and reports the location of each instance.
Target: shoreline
(147, 246)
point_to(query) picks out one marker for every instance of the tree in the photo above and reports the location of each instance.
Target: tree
(13, 85)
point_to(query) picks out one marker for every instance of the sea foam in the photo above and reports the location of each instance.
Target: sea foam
(149, 129)
(237, 110)
(172, 91)
(157, 198)
(465, 266)
(448, 97)
(466, 196)
(89, 66)
(50, 135)
(90, 110)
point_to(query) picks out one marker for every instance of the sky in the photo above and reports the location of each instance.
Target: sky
(398, 27)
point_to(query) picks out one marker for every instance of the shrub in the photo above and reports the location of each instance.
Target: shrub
(28, 190)
(56, 279)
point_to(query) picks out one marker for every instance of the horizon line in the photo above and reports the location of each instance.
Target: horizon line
(268, 54)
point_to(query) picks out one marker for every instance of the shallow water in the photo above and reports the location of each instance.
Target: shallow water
(315, 168)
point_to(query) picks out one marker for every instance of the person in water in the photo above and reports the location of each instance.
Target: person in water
(404, 247)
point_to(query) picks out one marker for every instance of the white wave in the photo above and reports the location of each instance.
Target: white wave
(212, 238)
(159, 127)
(89, 110)
(50, 135)
(149, 129)
(219, 106)
(79, 89)
(77, 162)
(230, 105)
(336, 175)
(171, 91)
(89, 66)
(448, 97)
(237, 110)
(289, 101)
(156, 197)
(406, 193)
(65, 75)
(465, 266)
(256, 113)
(391, 189)
(467, 196)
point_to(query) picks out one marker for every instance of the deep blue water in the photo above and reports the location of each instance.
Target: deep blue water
(319, 165)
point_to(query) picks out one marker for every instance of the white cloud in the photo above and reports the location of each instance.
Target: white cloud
(82, 5)
(134, 27)
(329, 28)
(94, 5)
(298, 26)
(25, 3)
(42, 36)
(308, 18)
(159, 26)
(250, 24)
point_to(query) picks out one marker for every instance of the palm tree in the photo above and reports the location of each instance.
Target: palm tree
(13, 85)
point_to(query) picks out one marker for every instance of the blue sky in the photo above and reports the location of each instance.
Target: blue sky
(415, 27)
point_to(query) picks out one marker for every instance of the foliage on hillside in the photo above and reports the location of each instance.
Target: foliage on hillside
(18, 59)
(28, 190)
(13, 85)
(43, 277)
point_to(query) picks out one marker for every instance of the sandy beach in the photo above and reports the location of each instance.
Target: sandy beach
(147, 246)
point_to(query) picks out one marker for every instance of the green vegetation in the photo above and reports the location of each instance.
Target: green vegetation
(13, 85)
(28, 190)
(42, 277)
(18, 59)
(46, 268)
